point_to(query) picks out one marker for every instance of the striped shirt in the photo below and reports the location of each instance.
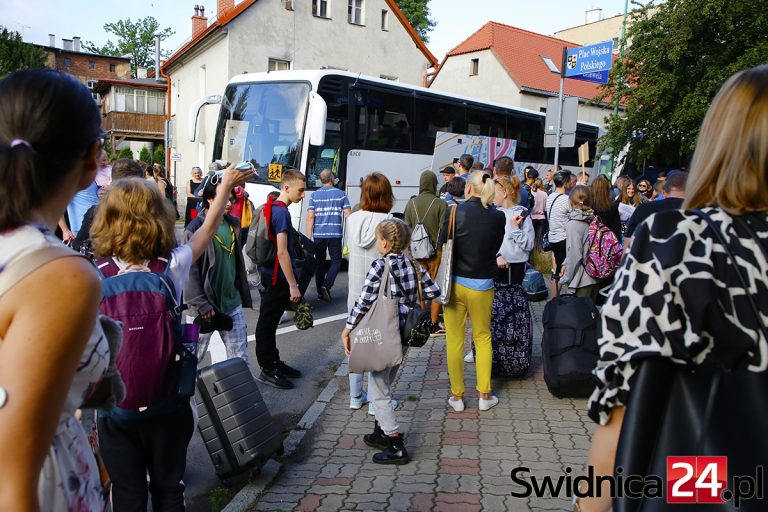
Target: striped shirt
(329, 204)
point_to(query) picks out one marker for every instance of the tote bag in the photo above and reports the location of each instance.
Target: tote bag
(444, 276)
(376, 338)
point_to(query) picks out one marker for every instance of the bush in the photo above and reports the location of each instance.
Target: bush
(125, 153)
(159, 156)
(144, 155)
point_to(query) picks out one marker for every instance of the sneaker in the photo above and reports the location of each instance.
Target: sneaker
(457, 405)
(470, 357)
(287, 371)
(324, 294)
(358, 401)
(372, 408)
(484, 404)
(438, 329)
(274, 378)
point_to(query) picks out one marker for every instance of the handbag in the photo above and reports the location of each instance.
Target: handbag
(717, 409)
(444, 276)
(546, 246)
(375, 340)
(418, 322)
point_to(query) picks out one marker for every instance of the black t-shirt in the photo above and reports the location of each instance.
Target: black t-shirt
(645, 210)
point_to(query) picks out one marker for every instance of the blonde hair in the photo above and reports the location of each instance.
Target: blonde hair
(537, 185)
(482, 187)
(133, 222)
(396, 232)
(158, 171)
(730, 165)
(511, 186)
(581, 198)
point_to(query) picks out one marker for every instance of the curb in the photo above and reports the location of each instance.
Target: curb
(251, 492)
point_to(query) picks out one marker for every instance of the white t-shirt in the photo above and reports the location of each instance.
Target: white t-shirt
(558, 207)
(181, 262)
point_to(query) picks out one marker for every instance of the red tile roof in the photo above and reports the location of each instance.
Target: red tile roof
(230, 15)
(520, 52)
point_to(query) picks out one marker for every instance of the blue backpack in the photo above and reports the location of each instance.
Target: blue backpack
(534, 285)
(153, 362)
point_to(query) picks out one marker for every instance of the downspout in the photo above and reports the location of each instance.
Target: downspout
(160, 72)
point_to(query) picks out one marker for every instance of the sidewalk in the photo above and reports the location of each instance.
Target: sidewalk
(460, 461)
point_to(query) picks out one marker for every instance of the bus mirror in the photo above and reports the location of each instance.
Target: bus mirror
(194, 112)
(318, 113)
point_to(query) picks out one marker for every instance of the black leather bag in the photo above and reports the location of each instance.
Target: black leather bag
(418, 322)
(713, 410)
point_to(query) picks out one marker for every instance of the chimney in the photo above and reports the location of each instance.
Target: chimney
(224, 6)
(593, 15)
(199, 21)
(66, 44)
(76, 41)
(52, 40)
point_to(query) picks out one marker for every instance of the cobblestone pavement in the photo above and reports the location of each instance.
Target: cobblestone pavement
(460, 461)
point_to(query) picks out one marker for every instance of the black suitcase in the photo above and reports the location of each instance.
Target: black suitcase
(569, 346)
(511, 331)
(234, 421)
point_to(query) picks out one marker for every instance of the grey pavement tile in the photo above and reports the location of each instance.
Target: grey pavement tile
(400, 501)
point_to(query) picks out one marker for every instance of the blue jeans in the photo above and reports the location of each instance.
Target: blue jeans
(333, 246)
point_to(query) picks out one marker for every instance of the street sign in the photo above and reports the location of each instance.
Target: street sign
(567, 125)
(589, 59)
(175, 157)
(600, 77)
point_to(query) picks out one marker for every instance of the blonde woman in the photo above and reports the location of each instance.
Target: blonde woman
(478, 235)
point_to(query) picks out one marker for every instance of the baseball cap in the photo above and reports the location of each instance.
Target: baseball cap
(448, 170)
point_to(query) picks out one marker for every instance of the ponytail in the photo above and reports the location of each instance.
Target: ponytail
(482, 187)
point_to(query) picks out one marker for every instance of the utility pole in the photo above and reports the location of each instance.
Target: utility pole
(560, 107)
(619, 83)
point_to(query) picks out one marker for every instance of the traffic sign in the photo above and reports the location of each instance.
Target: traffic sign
(600, 77)
(589, 59)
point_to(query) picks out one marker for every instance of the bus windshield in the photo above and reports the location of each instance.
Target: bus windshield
(263, 124)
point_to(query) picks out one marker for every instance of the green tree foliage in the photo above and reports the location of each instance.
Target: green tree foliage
(679, 57)
(134, 39)
(15, 54)
(159, 156)
(125, 153)
(144, 155)
(417, 13)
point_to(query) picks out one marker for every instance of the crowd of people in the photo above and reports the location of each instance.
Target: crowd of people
(52, 161)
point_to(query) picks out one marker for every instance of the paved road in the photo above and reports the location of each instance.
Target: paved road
(316, 352)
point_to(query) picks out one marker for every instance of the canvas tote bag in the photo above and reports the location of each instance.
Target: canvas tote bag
(444, 278)
(376, 338)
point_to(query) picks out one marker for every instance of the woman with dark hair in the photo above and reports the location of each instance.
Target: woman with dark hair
(678, 296)
(455, 191)
(52, 348)
(603, 206)
(376, 200)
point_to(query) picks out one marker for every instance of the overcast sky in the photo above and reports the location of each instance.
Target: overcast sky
(456, 19)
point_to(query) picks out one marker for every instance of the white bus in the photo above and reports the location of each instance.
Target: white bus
(354, 125)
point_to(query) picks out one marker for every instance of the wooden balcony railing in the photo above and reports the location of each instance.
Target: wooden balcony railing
(137, 124)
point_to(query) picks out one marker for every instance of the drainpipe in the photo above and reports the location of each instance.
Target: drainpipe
(160, 72)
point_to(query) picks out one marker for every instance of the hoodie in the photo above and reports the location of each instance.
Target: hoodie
(426, 206)
(518, 242)
(575, 249)
(360, 239)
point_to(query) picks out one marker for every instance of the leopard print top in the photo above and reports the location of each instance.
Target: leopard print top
(677, 295)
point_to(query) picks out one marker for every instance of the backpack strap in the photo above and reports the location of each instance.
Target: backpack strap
(28, 263)
(107, 267)
(271, 202)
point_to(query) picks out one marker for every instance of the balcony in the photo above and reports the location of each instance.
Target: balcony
(129, 125)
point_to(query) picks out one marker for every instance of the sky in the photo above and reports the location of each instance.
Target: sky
(456, 19)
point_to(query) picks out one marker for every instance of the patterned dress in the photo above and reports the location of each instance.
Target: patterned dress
(69, 479)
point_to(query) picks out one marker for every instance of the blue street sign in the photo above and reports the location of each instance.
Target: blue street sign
(589, 59)
(600, 77)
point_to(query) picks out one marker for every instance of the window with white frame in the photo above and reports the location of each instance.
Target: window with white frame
(139, 101)
(91, 84)
(385, 20)
(279, 65)
(355, 11)
(321, 8)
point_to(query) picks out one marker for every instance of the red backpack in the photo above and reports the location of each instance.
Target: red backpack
(603, 254)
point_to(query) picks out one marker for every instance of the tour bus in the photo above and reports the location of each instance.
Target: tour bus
(354, 125)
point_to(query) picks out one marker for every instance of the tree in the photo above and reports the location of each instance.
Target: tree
(144, 155)
(417, 13)
(159, 156)
(679, 57)
(125, 153)
(134, 39)
(15, 54)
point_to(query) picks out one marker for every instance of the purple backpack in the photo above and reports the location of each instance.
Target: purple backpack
(146, 305)
(603, 254)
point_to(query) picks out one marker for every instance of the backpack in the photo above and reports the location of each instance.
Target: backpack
(604, 250)
(421, 245)
(158, 370)
(534, 285)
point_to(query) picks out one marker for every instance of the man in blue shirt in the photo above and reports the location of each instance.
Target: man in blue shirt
(327, 209)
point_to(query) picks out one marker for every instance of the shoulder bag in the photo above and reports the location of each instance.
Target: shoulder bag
(444, 278)
(418, 322)
(545, 245)
(375, 340)
(716, 409)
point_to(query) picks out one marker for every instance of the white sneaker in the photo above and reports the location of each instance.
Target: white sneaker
(484, 404)
(470, 357)
(457, 405)
(372, 408)
(358, 402)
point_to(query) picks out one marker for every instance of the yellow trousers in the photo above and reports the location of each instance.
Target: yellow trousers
(478, 305)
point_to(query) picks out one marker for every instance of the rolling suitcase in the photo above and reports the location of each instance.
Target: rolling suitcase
(511, 331)
(234, 421)
(569, 346)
